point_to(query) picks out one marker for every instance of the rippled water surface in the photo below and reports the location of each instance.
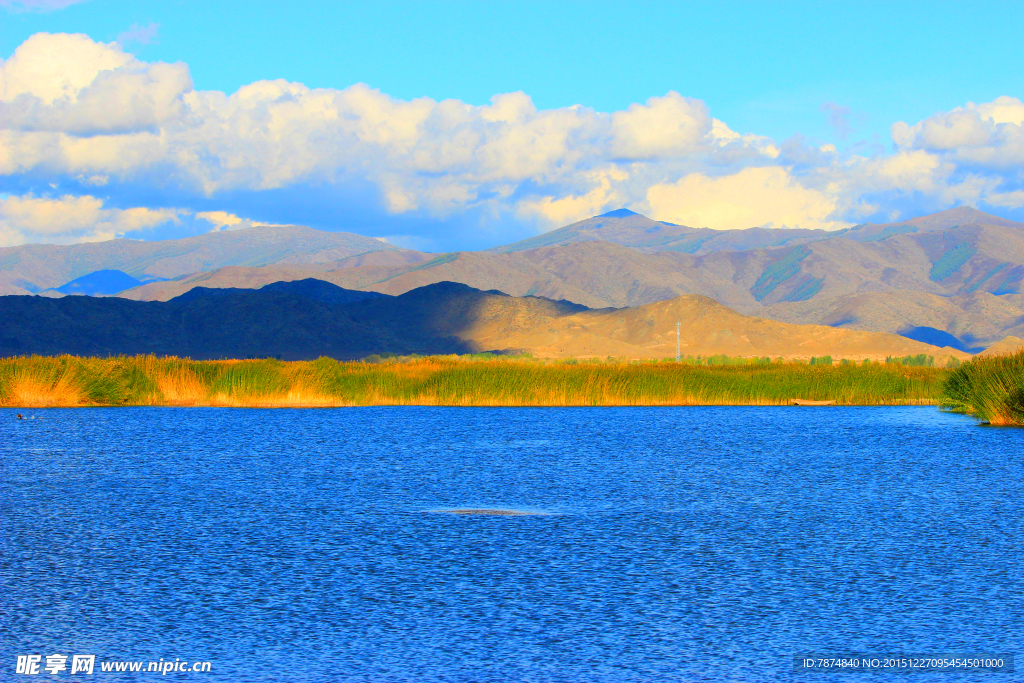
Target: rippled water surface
(672, 544)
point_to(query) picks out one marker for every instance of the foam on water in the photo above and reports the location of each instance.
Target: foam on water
(505, 512)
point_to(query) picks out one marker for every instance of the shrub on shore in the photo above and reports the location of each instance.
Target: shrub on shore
(990, 388)
(449, 380)
(920, 360)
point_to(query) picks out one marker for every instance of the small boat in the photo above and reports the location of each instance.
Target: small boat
(805, 402)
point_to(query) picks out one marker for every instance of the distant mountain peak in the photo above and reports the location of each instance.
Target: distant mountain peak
(620, 213)
(443, 288)
(956, 211)
(950, 219)
(959, 215)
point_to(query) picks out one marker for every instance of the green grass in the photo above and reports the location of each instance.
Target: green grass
(951, 261)
(778, 272)
(450, 380)
(806, 289)
(692, 245)
(891, 231)
(439, 261)
(251, 378)
(986, 277)
(990, 388)
(919, 361)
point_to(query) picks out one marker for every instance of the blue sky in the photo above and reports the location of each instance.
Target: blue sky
(787, 80)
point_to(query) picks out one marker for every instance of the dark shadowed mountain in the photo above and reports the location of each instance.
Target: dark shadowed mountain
(944, 257)
(310, 288)
(851, 278)
(289, 320)
(303, 320)
(611, 260)
(298, 322)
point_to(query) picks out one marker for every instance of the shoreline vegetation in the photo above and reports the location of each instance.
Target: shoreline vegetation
(478, 380)
(990, 388)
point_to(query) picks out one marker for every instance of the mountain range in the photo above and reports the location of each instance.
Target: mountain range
(310, 318)
(950, 279)
(31, 268)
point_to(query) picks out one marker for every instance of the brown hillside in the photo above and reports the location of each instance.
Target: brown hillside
(32, 267)
(977, 319)
(882, 286)
(634, 230)
(708, 328)
(965, 268)
(557, 330)
(595, 274)
(1004, 347)
(941, 221)
(370, 267)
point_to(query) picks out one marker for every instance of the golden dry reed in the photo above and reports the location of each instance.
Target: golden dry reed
(448, 380)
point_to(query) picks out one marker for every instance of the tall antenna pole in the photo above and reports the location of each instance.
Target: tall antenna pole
(677, 341)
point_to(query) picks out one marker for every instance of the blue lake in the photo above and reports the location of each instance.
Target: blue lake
(682, 544)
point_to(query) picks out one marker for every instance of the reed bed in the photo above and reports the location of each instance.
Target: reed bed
(452, 381)
(990, 388)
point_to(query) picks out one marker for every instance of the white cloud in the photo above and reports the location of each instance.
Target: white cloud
(222, 220)
(564, 210)
(1009, 200)
(905, 171)
(667, 126)
(57, 66)
(68, 84)
(754, 197)
(988, 136)
(70, 219)
(75, 109)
